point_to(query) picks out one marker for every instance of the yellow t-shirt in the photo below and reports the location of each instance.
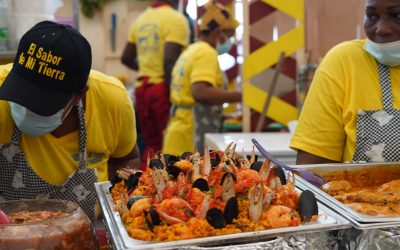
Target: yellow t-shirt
(345, 82)
(110, 128)
(150, 32)
(198, 63)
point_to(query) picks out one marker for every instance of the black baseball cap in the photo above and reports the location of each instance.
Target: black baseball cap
(52, 63)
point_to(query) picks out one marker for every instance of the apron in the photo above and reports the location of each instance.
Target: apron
(207, 119)
(19, 181)
(378, 134)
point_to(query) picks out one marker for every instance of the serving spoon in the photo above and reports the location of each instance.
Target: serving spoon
(315, 179)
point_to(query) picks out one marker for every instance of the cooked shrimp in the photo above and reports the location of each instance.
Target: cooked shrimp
(174, 210)
(139, 207)
(278, 216)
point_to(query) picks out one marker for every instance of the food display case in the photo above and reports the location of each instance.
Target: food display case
(358, 220)
(329, 220)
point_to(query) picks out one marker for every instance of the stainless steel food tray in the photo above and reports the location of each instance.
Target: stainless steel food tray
(358, 220)
(121, 240)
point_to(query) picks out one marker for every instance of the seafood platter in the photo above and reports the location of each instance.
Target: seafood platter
(217, 198)
(367, 194)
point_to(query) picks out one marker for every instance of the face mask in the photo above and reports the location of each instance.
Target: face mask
(34, 124)
(225, 47)
(385, 53)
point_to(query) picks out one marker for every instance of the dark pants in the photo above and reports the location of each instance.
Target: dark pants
(152, 107)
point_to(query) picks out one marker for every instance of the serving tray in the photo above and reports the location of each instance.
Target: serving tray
(360, 221)
(329, 220)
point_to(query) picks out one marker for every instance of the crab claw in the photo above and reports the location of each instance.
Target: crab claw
(256, 202)
(230, 150)
(207, 163)
(160, 179)
(228, 180)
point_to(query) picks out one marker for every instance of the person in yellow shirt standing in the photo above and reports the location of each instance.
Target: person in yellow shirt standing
(155, 41)
(63, 127)
(197, 78)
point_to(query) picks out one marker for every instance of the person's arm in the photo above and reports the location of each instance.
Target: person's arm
(132, 160)
(171, 54)
(307, 158)
(129, 56)
(204, 92)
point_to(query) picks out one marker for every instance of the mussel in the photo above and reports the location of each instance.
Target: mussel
(215, 218)
(218, 219)
(231, 210)
(307, 205)
(256, 166)
(156, 164)
(281, 174)
(133, 199)
(215, 159)
(152, 218)
(186, 155)
(201, 184)
(133, 180)
(255, 157)
(173, 171)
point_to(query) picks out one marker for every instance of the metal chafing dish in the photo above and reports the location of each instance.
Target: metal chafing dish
(358, 220)
(121, 240)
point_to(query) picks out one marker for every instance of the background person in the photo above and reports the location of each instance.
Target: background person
(197, 78)
(63, 127)
(155, 41)
(351, 112)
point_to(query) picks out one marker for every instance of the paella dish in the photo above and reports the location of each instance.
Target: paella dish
(372, 191)
(220, 192)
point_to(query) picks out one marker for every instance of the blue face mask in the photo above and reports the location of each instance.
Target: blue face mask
(385, 53)
(225, 47)
(34, 124)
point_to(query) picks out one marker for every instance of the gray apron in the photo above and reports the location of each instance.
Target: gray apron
(378, 131)
(208, 119)
(19, 181)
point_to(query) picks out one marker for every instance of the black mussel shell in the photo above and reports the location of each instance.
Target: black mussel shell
(201, 184)
(116, 180)
(185, 155)
(281, 174)
(307, 205)
(256, 165)
(215, 218)
(215, 159)
(231, 210)
(110, 189)
(156, 164)
(225, 175)
(173, 171)
(133, 199)
(249, 157)
(171, 159)
(133, 180)
(152, 218)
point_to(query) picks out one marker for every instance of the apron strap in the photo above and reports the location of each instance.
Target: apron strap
(385, 82)
(82, 136)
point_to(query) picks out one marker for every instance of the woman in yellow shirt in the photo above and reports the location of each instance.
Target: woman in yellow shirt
(197, 78)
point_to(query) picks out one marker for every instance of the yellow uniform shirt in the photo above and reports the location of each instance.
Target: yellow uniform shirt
(150, 32)
(110, 128)
(198, 63)
(345, 82)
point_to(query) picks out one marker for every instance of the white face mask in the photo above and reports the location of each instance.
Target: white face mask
(33, 124)
(385, 53)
